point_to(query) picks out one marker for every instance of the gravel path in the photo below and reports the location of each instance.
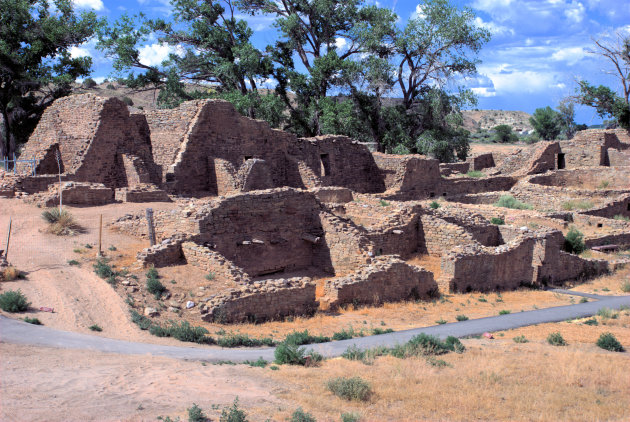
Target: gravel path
(16, 331)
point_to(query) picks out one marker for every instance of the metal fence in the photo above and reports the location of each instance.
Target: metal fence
(8, 165)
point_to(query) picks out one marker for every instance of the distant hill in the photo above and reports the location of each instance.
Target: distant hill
(475, 120)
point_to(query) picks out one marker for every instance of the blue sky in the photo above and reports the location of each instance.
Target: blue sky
(538, 47)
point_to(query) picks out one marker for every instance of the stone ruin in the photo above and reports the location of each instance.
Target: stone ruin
(300, 224)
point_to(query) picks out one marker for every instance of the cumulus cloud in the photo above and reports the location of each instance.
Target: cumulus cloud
(89, 4)
(575, 12)
(76, 52)
(508, 79)
(341, 43)
(570, 55)
(494, 28)
(155, 54)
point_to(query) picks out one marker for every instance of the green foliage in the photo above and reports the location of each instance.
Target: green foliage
(195, 414)
(128, 101)
(350, 417)
(153, 273)
(454, 344)
(591, 321)
(34, 321)
(609, 342)
(546, 122)
(574, 241)
(607, 313)
(441, 321)
(383, 203)
(353, 388)
(475, 174)
(37, 68)
(141, 321)
(504, 134)
(301, 416)
(242, 340)
(303, 337)
(504, 312)
(605, 101)
(260, 363)
(520, 339)
(60, 223)
(74, 262)
(13, 301)
(508, 201)
(155, 287)
(620, 217)
(461, 318)
(556, 339)
(210, 276)
(378, 331)
(498, 221)
(434, 205)
(233, 413)
(625, 286)
(577, 204)
(182, 331)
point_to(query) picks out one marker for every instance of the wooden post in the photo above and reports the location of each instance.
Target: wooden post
(6, 252)
(151, 228)
(100, 235)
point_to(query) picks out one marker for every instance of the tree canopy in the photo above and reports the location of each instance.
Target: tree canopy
(36, 66)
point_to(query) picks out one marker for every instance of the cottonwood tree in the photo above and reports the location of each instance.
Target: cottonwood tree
(36, 66)
(547, 123)
(210, 48)
(605, 100)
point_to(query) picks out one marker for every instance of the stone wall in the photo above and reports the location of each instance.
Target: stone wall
(441, 236)
(74, 193)
(213, 263)
(141, 193)
(386, 279)
(481, 161)
(619, 239)
(344, 246)
(469, 185)
(168, 252)
(408, 176)
(534, 159)
(619, 158)
(333, 195)
(618, 206)
(447, 169)
(271, 299)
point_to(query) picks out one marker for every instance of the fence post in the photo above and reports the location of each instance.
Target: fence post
(6, 252)
(100, 235)
(151, 228)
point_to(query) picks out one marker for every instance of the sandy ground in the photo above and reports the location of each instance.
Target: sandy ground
(42, 384)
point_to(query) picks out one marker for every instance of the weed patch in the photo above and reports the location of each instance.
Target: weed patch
(556, 339)
(508, 201)
(13, 301)
(353, 388)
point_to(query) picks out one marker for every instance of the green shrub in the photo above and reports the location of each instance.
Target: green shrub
(591, 321)
(141, 321)
(344, 334)
(475, 174)
(556, 339)
(301, 416)
(508, 201)
(584, 300)
(350, 417)
(260, 363)
(303, 337)
(461, 318)
(195, 414)
(625, 286)
(242, 340)
(183, 332)
(609, 342)
(110, 86)
(607, 313)
(89, 83)
(61, 223)
(210, 276)
(435, 205)
(127, 101)
(454, 344)
(74, 262)
(153, 273)
(378, 331)
(498, 221)
(103, 269)
(621, 217)
(13, 301)
(233, 413)
(289, 354)
(353, 388)
(505, 312)
(34, 321)
(440, 321)
(155, 287)
(95, 328)
(520, 339)
(574, 241)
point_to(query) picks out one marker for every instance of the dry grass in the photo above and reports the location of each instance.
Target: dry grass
(9, 274)
(606, 285)
(61, 223)
(490, 381)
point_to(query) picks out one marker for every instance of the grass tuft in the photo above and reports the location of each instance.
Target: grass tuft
(13, 301)
(508, 201)
(556, 339)
(95, 327)
(353, 388)
(61, 223)
(10, 273)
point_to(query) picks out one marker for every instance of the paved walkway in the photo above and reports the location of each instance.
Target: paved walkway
(16, 331)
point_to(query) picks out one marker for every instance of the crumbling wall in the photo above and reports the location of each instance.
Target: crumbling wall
(74, 193)
(333, 195)
(481, 161)
(408, 176)
(271, 299)
(448, 169)
(618, 206)
(344, 247)
(141, 193)
(213, 263)
(468, 185)
(386, 279)
(535, 159)
(168, 252)
(441, 236)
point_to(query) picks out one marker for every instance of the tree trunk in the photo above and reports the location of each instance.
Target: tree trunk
(4, 134)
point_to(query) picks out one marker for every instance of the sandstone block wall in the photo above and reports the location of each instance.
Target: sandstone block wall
(481, 161)
(213, 262)
(141, 193)
(452, 187)
(408, 176)
(532, 160)
(168, 252)
(618, 206)
(441, 236)
(271, 299)
(345, 247)
(386, 279)
(333, 195)
(447, 169)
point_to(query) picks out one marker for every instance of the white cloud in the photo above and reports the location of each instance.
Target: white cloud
(420, 12)
(570, 55)
(341, 43)
(89, 4)
(509, 80)
(575, 12)
(155, 54)
(79, 52)
(484, 92)
(494, 28)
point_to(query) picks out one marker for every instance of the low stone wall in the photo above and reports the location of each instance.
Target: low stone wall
(619, 239)
(333, 195)
(214, 263)
(481, 161)
(270, 299)
(620, 206)
(141, 193)
(441, 236)
(345, 246)
(386, 279)
(471, 185)
(446, 169)
(168, 252)
(74, 193)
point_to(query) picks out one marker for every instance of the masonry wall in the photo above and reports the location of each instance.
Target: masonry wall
(481, 161)
(441, 236)
(272, 299)
(408, 176)
(619, 206)
(451, 187)
(386, 279)
(213, 263)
